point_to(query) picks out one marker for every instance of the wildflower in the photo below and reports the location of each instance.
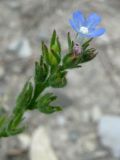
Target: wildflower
(86, 27)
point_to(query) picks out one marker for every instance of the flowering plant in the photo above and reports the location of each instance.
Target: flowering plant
(51, 70)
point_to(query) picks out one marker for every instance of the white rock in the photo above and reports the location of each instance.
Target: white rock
(40, 148)
(96, 114)
(26, 116)
(21, 47)
(109, 132)
(61, 120)
(24, 140)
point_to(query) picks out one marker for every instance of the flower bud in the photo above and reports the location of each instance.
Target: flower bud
(77, 49)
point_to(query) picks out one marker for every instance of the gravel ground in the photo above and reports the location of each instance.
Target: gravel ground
(92, 92)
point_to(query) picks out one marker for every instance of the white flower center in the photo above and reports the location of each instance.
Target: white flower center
(84, 30)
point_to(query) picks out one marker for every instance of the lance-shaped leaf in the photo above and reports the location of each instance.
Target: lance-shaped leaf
(24, 97)
(43, 104)
(70, 43)
(86, 44)
(2, 120)
(55, 44)
(50, 56)
(45, 53)
(41, 71)
(8, 132)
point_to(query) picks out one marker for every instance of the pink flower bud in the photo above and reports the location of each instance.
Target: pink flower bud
(76, 49)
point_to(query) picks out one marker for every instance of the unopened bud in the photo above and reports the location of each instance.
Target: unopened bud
(76, 49)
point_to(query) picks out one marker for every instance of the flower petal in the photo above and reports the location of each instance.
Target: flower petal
(73, 25)
(78, 18)
(96, 33)
(93, 20)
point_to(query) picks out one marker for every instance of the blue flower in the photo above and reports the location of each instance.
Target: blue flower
(86, 27)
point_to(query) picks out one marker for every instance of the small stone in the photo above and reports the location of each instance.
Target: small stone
(40, 148)
(109, 132)
(96, 114)
(24, 140)
(86, 116)
(21, 47)
(74, 135)
(61, 120)
(26, 116)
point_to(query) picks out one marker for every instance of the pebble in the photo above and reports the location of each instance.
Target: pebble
(21, 47)
(109, 132)
(96, 114)
(61, 120)
(24, 141)
(73, 135)
(40, 148)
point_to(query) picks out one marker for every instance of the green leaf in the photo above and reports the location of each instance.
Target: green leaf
(55, 44)
(50, 109)
(58, 79)
(51, 57)
(45, 53)
(56, 56)
(41, 71)
(15, 121)
(43, 104)
(2, 120)
(70, 43)
(53, 39)
(24, 97)
(58, 45)
(86, 44)
(46, 99)
(6, 132)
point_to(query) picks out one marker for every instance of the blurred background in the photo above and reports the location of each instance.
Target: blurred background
(89, 126)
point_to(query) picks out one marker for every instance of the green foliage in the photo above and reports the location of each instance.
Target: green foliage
(58, 79)
(52, 56)
(43, 103)
(71, 61)
(55, 44)
(70, 43)
(24, 98)
(50, 71)
(41, 71)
